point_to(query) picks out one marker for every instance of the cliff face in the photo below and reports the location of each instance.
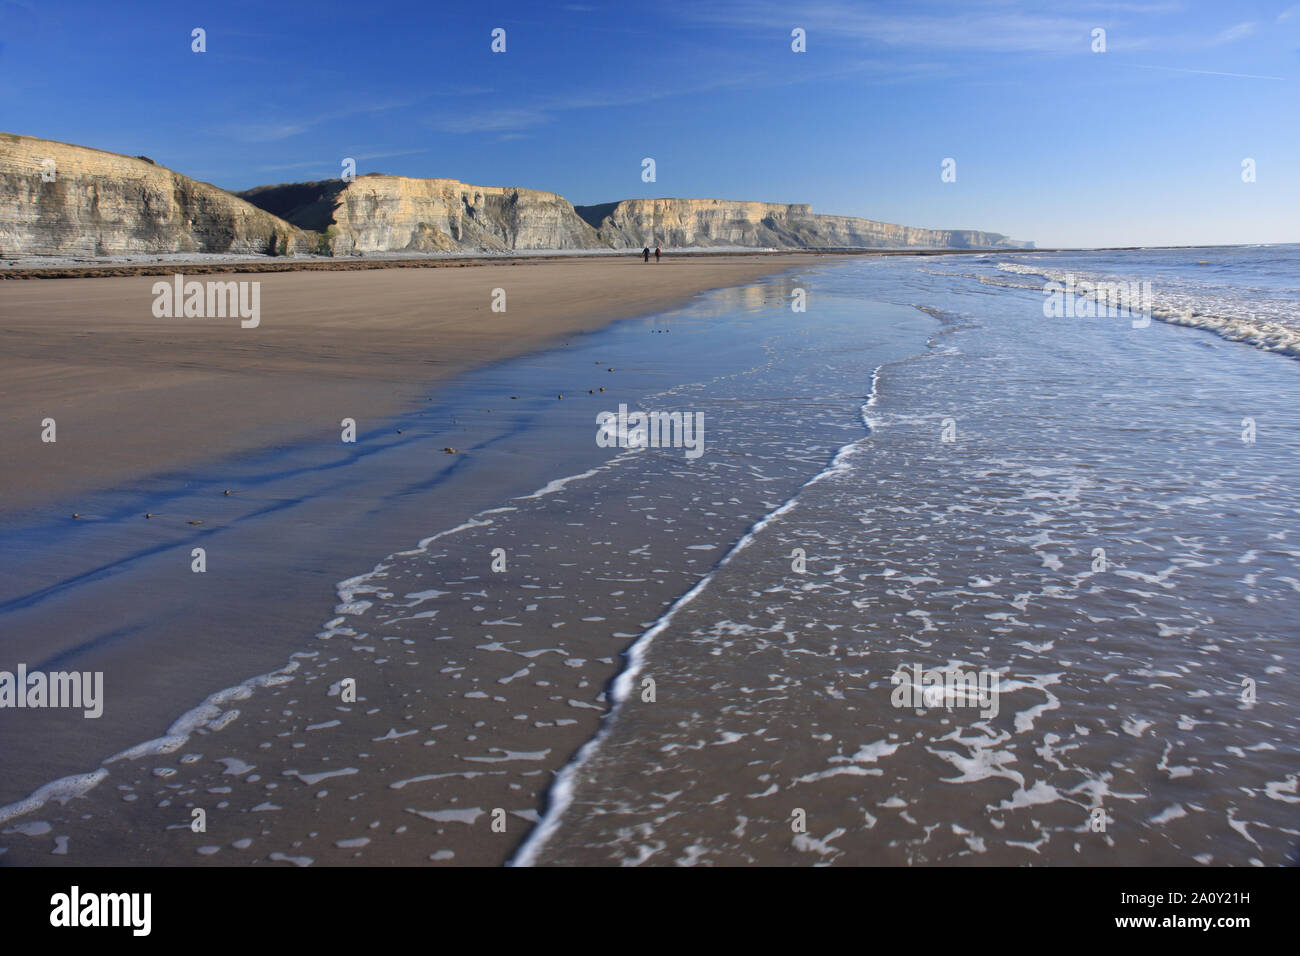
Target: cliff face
(394, 213)
(833, 232)
(100, 204)
(694, 222)
(719, 222)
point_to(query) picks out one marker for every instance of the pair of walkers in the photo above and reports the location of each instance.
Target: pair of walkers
(646, 252)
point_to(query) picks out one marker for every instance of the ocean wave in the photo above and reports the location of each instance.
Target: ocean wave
(1239, 315)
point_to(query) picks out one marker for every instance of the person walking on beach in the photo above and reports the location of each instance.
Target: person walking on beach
(656, 255)
(646, 252)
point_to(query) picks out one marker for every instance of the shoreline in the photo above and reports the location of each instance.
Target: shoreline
(218, 263)
(214, 263)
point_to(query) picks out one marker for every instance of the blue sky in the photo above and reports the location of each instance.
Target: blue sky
(1141, 144)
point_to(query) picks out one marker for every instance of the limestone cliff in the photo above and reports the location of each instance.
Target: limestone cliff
(57, 199)
(683, 223)
(375, 213)
(93, 203)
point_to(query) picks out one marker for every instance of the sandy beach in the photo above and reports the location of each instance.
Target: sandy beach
(165, 416)
(133, 394)
(768, 591)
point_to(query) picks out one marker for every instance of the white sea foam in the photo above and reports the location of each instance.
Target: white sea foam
(562, 790)
(212, 714)
(1265, 322)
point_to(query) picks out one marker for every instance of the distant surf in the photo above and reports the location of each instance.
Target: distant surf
(1247, 294)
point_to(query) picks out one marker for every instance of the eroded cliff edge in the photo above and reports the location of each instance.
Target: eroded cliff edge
(722, 222)
(376, 213)
(394, 213)
(62, 200)
(58, 199)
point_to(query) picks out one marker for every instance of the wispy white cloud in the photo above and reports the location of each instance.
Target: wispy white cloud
(493, 120)
(1290, 13)
(1233, 34)
(267, 132)
(333, 163)
(543, 111)
(996, 28)
(1177, 69)
(273, 131)
(979, 26)
(316, 163)
(1143, 9)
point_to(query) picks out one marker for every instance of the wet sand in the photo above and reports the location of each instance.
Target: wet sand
(135, 395)
(473, 687)
(114, 591)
